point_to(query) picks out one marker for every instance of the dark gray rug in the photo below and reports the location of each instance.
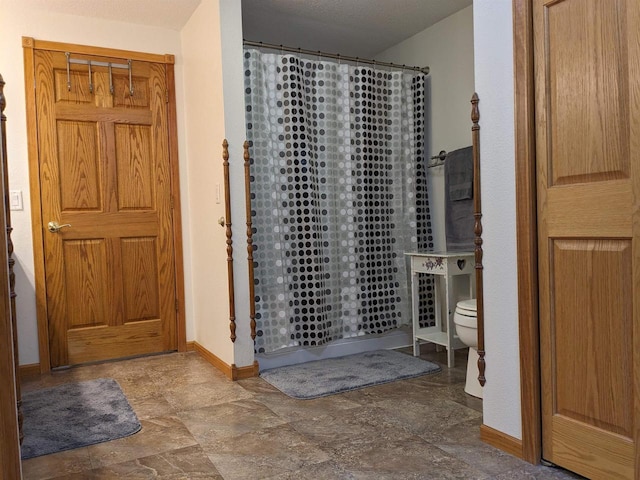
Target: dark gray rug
(336, 375)
(75, 415)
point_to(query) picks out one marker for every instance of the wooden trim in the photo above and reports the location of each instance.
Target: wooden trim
(4, 160)
(181, 324)
(477, 229)
(10, 260)
(9, 436)
(530, 447)
(212, 359)
(242, 373)
(190, 346)
(247, 199)
(231, 371)
(32, 43)
(30, 370)
(501, 440)
(9, 393)
(229, 234)
(36, 213)
(526, 230)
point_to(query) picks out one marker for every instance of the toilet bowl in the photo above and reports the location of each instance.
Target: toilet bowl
(465, 319)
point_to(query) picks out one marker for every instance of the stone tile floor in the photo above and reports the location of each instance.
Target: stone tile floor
(199, 425)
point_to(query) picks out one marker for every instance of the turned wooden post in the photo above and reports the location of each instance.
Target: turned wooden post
(477, 214)
(12, 262)
(229, 233)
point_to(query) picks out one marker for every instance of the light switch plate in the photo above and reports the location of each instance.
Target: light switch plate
(15, 200)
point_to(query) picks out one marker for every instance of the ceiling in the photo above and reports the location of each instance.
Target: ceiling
(172, 14)
(350, 27)
(361, 28)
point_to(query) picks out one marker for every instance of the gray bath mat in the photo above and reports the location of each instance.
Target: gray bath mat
(336, 375)
(75, 415)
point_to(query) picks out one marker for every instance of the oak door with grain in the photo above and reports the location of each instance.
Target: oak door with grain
(587, 64)
(104, 170)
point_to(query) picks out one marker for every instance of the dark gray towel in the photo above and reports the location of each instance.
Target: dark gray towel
(459, 219)
(459, 174)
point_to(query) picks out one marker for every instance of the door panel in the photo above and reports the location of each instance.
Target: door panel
(140, 272)
(79, 164)
(587, 55)
(85, 266)
(584, 270)
(588, 88)
(104, 170)
(135, 167)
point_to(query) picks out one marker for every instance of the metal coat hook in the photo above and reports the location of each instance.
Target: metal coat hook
(130, 79)
(111, 89)
(90, 77)
(68, 55)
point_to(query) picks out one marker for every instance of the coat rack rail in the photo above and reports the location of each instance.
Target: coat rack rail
(93, 63)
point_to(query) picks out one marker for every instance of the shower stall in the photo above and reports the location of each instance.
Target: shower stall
(338, 195)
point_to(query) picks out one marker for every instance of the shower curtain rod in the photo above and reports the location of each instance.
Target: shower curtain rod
(336, 56)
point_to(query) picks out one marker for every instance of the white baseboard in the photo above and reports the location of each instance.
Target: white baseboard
(347, 346)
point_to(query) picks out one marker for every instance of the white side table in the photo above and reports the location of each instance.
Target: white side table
(448, 265)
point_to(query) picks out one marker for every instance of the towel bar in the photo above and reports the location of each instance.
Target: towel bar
(439, 159)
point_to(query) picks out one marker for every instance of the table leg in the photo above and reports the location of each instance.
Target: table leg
(415, 315)
(450, 325)
(436, 295)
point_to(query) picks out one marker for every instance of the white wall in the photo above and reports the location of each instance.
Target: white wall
(447, 48)
(214, 110)
(235, 132)
(17, 21)
(204, 113)
(494, 83)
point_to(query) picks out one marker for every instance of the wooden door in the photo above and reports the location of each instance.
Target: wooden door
(587, 63)
(104, 170)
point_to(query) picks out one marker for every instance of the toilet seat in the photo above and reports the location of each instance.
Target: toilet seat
(467, 307)
(466, 313)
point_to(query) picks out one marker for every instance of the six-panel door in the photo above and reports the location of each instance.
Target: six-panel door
(105, 172)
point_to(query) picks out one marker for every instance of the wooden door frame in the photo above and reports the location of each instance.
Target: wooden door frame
(9, 379)
(9, 444)
(29, 45)
(527, 230)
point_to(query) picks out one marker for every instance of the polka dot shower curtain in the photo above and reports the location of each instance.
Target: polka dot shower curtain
(338, 195)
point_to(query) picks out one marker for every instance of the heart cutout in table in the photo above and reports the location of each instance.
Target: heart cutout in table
(461, 263)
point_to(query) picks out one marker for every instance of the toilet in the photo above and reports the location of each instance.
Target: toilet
(466, 323)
